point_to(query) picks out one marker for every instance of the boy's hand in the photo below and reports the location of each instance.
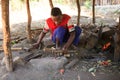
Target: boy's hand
(65, 50)
(35, 46)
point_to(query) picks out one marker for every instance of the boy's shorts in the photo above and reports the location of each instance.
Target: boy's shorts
(63, 35)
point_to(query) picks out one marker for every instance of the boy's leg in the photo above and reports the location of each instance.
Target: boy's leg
(77, 34)
(58, 36)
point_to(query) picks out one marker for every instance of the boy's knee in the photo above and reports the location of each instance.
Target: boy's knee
(78, 30)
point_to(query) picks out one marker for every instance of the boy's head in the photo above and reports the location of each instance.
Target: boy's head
(56, 15)
(56, 11)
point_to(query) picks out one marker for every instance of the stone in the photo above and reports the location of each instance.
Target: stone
(49, 63)
(3, 61)
(19, 61)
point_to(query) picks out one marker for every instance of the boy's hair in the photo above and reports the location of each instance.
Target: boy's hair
(56, 11)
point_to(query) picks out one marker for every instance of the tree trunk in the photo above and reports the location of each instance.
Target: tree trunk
(93, 12)
(6, 35)
(28, 29)
(51, 4)
(78, 18)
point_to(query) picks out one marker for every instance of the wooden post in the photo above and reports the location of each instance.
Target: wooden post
(117, 47)
(117, 43)
(51, 4)
(6, 35)
(78, 7)
(28, 28)
(119, 21)
(99, 2)
(93, 11)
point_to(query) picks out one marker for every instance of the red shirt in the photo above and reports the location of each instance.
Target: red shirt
(52, 26)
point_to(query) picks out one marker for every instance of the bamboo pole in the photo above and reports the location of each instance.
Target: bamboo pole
(6, 35)
(28, 28)
(78, 7)
(93, 12)
(51, 4)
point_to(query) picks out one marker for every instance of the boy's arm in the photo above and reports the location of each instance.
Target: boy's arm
(41, 36)
(70, 40)
(71, 30)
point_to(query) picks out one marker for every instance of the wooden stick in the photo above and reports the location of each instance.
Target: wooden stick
(57, 51)
(13, 49)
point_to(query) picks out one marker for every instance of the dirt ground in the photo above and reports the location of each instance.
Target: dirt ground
(87, 68)
(91, 64)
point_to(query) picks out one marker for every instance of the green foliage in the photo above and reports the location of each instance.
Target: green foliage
(87, 4)
(13, 42)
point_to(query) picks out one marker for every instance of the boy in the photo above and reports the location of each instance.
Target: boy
(62, 30)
